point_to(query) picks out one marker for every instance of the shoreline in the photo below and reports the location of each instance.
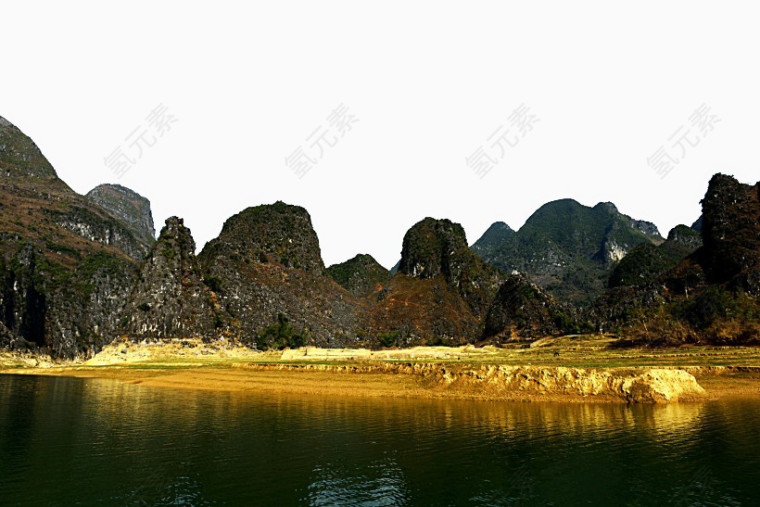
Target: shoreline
(576, 371)
(434, 381)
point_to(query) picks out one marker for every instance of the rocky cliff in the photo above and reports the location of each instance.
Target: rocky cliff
(731, 234)
(129, 207)
(434, 248)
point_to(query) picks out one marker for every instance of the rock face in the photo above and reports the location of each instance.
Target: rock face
(362, 276)
(568, 249)
(129, 207)
(170, 299)
(269, 278)
(522, 309)
(731, 233)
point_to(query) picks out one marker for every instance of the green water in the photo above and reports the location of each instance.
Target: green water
(97, 442)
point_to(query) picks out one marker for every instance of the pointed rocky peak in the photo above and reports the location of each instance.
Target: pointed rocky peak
(362, 275)
(276, 233)
(20, 158)
(170, 299)
(731, 233)
(175, 242)
(430, 246)
(496, 236)
(128, 206)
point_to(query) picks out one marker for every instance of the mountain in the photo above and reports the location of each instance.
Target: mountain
(77, 272)
(268, 276)
(709, 296)
(129, 207)
(566, 248)
(66, 264)
(362, 275)
(440, 294)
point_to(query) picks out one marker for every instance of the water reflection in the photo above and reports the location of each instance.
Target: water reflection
(95, 441)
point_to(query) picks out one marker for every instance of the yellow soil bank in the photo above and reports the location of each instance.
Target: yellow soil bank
(521, 374)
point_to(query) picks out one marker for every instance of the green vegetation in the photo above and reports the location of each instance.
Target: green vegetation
(280, 336)
(214, 283)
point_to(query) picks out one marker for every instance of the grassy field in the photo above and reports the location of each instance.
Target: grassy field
(571, 351)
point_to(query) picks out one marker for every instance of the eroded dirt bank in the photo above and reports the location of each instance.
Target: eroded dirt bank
(519, 383)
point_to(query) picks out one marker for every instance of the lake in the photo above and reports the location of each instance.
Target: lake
(100, 442)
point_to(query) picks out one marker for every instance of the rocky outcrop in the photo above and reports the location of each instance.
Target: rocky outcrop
(127, 206)
(170, 299)
(60, 311)
(101, 228)
(362, 276)
(267, 272)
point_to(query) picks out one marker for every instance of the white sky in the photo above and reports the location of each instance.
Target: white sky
(428, 81)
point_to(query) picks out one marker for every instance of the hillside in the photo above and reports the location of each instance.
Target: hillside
(566, 248)
(66, 264)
